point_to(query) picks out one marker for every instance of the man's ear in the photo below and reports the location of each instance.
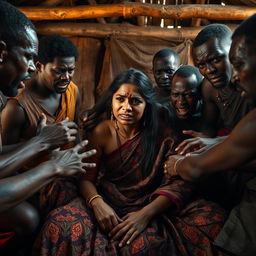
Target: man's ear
(3, 50)
(39, 66)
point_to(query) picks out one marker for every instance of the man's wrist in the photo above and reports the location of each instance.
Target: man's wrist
(42, 145)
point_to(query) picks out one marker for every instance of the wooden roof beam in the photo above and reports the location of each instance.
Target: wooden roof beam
(106, 30)
(130, 9)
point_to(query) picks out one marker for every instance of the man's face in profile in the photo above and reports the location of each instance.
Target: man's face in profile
(18, 64)
(243, 59)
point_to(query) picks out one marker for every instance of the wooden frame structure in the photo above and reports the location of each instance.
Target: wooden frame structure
(131, 9)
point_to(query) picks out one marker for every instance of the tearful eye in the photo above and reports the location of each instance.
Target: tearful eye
(135, 101)
(120, 99)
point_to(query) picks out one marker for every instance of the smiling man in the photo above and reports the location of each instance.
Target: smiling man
(185, 99)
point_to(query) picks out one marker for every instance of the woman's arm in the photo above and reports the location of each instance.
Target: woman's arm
(105, 215)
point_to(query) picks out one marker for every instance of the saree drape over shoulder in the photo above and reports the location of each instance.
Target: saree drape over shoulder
(187, 228)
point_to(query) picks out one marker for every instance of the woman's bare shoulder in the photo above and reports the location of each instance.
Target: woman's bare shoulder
(102, 132)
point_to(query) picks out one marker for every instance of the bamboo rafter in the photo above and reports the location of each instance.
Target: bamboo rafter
(130, 9)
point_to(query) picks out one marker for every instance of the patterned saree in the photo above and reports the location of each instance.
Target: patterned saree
(187, 228)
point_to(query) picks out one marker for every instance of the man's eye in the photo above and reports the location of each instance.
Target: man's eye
(175, 95)
(58, 72)
(188, 95)
(237, 66)
(200, 66)
(170, 71)
(215, 60)
(29, 56)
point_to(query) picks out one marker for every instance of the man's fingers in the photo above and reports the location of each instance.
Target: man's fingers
(84, 116)
(43, 119)
(70, 125)
(89, 165)
(193, 133)
(91, 116)
(188, 148)
(72, 131)
(183, 144)
(81, 145)
(189, 132)
(88, 153)
(199, 151)
(88, 116)
(81, 171)
(65, 120)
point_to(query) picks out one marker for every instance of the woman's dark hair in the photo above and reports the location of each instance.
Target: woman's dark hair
(149, 119)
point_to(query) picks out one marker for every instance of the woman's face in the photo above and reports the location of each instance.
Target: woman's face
(128, 105)
(183, 95)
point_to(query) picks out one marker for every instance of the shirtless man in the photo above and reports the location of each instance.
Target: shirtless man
(50, 91)
(18, 46)
(238, 235)
(223, 105)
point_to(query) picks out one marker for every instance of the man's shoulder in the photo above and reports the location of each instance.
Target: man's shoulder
(251, 115)
(208, 91)
(248, 122)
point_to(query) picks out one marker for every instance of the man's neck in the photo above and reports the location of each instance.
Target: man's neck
(163, 93)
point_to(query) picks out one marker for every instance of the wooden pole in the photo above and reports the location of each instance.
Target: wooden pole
(106, 30)
(130, 9)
